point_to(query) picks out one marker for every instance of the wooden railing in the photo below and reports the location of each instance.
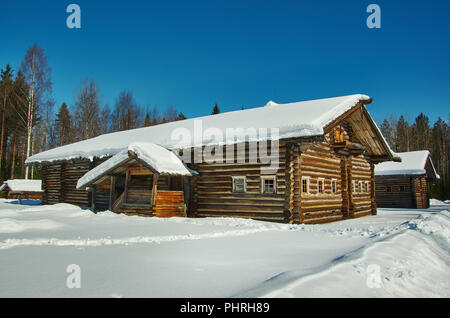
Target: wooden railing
(169, 204)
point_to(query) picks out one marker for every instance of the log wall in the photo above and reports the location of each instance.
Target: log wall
(318, 163)
(405, 192)
(421, 190)
(213, 189)
(60, 179)
(362, 176)
(51, 183)
(395, 198)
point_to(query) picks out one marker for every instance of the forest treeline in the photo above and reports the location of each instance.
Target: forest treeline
(403, 136)
(31, 122)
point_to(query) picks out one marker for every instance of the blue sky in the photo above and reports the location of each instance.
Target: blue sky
(193, 54)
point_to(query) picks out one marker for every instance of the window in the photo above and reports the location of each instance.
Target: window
(360, 186)
(320, 186)
(388, 189)
(305, 185)
(333, 185)
(402, 188)
(239, 185)
(268, 185)
(366, 187)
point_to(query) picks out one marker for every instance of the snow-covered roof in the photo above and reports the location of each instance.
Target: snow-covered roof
(299, 119)
(413, 162)
(158, 158)
(22, 185)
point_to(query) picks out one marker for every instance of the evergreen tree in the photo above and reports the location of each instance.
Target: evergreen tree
(402, 140)
(147, 120)
(6, 87)
(181, 116)
(421, 133)
(63, 126)
(216, 110)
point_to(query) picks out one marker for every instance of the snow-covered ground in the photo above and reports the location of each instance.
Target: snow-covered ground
(399, 253)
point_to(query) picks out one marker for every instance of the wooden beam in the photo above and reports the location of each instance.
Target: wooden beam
(93, 199)
(112, 191)
(154, 189)
(127, 179)
(372, 188)
(328, 128)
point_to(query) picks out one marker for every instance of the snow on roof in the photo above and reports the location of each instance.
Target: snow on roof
(23, 185)
(298, 119)
(413, 162)
(158, 158)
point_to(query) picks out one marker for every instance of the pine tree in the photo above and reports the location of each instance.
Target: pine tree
(402, 140)
(147, 121)
(181, 116)
(216, 110)
(6, 86)
(63, 126)
(439, 147)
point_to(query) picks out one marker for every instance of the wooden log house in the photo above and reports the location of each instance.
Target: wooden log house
(22, 189)
(405, 184)
(324, 152)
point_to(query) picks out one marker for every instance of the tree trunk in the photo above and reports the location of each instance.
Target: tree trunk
(3, 129)
(13, 160)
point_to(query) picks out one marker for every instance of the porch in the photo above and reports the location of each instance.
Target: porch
(137, 182)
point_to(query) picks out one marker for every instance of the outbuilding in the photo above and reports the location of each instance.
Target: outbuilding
(405, 184)
(22, 189)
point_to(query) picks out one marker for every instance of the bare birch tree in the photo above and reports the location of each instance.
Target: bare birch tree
(38, 76)
(86, 112)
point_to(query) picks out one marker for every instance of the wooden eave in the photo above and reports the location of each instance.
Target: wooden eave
(107, 172)
(366, 131)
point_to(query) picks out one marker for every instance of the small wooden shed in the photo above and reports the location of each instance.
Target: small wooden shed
(405, 184)
(22, 189)
(146, 179)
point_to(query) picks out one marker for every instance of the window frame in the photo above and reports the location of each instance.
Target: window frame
(270, 177)
(360, 187)
(323, 186)
(366, 187)
(233, 188)
(307, 178)
(334, 181)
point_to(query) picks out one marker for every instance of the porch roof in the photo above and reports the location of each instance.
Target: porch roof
(156, 158)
